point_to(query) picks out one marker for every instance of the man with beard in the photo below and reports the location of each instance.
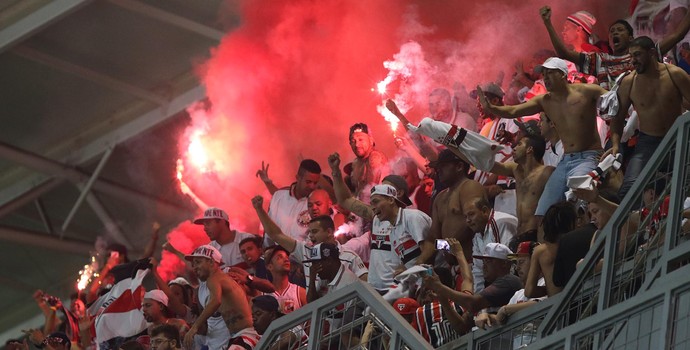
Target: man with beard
(226, 309)
(607, 67)
(656, 91)
(573, 110)
(155, 309)
(448, 218)
(370, 166)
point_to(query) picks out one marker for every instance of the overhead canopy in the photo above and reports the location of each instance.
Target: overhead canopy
(90, 88)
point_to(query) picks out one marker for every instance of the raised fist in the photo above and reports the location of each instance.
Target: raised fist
(545, 13)
(258, 202)
(334, 161)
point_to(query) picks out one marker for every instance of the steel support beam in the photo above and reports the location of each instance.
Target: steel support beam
(49, 166)
(32, 186)
(37, 20)
(85, 189)
(28, 196)
(40, 208)
(167, 17)
(111, 227)
(88, 74)
(36, 239)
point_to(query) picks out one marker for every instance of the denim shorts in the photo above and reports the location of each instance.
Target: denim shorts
(573, 164)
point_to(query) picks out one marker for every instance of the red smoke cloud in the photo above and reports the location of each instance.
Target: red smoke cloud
(290, 80)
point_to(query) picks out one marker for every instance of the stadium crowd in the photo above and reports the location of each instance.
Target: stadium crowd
(497, 201)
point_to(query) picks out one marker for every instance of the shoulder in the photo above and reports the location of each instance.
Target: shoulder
(281, 193)
(415, 214)
(472, 185)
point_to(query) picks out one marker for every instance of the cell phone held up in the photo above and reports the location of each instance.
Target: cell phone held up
(442, 244)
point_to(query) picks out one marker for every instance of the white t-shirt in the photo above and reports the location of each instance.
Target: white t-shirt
(393, 245)
(288, 299)
(289, 213)
(519, 296)
(218, 335)
(231, 250)
(348, 257)
(500, 229)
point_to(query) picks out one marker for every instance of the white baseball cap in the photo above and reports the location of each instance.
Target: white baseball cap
(554, 63)
(388, 191)
(212, 213)
(157, 295)
(180, 281)
(495, 251)
(206, 251)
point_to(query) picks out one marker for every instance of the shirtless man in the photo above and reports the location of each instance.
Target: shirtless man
(530, 176)
(448, 219)
(656, 90)
(572, 109)
(219, 292)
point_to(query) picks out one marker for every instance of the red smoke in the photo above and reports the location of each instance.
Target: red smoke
(290, 80)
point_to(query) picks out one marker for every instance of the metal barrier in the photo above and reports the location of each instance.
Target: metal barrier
(355, 317)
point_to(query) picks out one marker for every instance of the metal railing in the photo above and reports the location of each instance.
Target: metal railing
(355, 317)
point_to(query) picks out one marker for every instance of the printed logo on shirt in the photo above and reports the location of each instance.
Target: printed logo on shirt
(381, 240)
(303, 218)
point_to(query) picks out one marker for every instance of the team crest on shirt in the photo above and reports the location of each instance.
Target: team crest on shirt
(303, 218)
(401, 307)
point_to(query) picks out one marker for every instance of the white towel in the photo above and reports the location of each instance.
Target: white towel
(479, 150)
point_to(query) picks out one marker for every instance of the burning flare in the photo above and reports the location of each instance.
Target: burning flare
(87, 273)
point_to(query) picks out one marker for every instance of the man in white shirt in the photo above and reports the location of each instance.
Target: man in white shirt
(288, 207)
(490, 226)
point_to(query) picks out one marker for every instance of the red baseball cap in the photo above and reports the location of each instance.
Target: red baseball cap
(405, 306)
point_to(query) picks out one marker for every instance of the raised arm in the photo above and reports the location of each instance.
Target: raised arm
(561, 50)
(411, 150)
(465, 269)
(174, 304)
(151, 246)
(530, 107)
(263, 175)
(270, 227)
(343, 194)
(670, 40)
(393, 108)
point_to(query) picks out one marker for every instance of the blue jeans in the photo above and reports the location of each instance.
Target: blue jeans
(644, 149)
(573, 164)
